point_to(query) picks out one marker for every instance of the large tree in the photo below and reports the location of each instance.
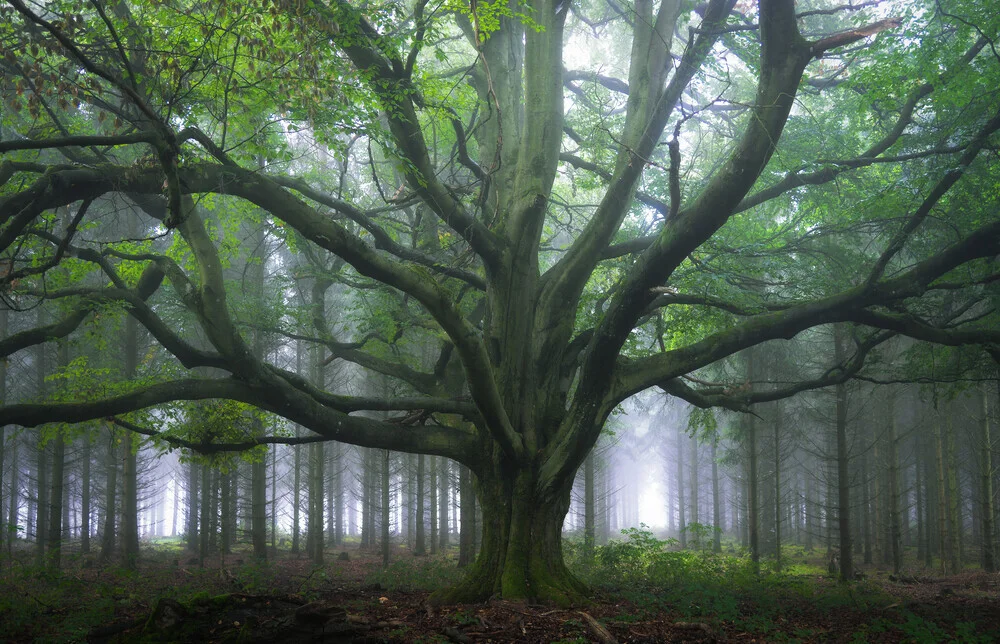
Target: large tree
(551, 206)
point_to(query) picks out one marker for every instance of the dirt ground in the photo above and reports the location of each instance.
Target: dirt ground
(173, 599)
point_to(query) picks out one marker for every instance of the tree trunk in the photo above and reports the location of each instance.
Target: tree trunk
(521, 554)
(716, 500)
(693, 468)
(753, 494)
(419, 547)
(954, 510)
(445, 484)
(314, 517)
(15, 506)
(945, 537)
(85, 497)
(843, 475)
(4, 531)
(866, 510)
(467, 537)
(681, 523)
(588, 507)
(986, 521)
(228, 520)
(42, 468)
(258, 508)
(777, 487)
(205, 523)
(895, 529)
(130, 480)
(191, 526)
(296, 500)
(386, 509)
(432, 497)
(54, 541)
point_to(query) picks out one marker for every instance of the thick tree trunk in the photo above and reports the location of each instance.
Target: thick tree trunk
(521, 554)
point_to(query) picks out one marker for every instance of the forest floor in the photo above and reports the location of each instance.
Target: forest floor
(352, 599)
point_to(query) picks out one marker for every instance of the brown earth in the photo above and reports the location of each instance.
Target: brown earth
(175, 600)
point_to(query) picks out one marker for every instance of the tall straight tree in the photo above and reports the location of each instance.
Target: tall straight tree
(575, 269)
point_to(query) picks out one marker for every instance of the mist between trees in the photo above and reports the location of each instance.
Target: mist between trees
(429, 275)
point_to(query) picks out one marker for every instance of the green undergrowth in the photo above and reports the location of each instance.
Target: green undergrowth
(725, 590)
(411, 574)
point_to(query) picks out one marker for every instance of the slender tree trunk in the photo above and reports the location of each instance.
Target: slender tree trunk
(15, 504)
(5, 533)
(420, 547)
(927, 452)
(866, 510)
(753, 494)
(843, 476)
(954, 516)
(432, 493)
(588, 507)
(945, 537)
(681, 523)
(810, 510)
(228, 520)
(130, 480)
(204, 522)
(85, 497)
(56, 502)
(467, 536)
(258, 508)
(296, 498)
(274, 499)
(895, 533)
(193, 513)
(42, 467)
(386, 509)
(110, 496)
(338, 492)
(177, 503)
(777, 488)
(314, 517)
(444, 486)
(986, 521)
(695, 513)
(921, 524)
(716, 500)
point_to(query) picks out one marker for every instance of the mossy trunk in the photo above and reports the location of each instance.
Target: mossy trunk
(521, 555)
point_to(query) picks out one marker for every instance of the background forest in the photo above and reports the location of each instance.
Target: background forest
(350, 311)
